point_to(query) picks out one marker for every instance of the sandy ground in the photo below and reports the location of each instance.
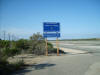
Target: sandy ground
(73, 51)
(32, 59)
(29, 59)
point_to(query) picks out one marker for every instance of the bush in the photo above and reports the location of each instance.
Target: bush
(4, 43)
(50, 46)
(9, 51)
(22, 44)
(54, 50)
(3, 65)
(37, 44)
(18, 65)
(7, 69)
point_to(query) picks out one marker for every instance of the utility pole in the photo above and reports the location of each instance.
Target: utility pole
(12, 37)
(4, 34)
(9, 36)
(9, 40)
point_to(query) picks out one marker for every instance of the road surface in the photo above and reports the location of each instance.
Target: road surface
(74, 63)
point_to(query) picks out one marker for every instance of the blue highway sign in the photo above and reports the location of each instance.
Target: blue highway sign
(45, 35)
(51, 27)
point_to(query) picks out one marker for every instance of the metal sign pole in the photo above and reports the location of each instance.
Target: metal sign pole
(46, 46)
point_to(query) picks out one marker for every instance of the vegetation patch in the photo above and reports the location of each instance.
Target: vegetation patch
(9, 48)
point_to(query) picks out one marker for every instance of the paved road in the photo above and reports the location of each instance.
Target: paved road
(69, 64)
(81, 64)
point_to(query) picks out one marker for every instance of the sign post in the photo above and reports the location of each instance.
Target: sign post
(57, 46)
(46, 46)
(51, 29)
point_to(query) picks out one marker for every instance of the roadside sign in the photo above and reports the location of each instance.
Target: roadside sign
(51, 27)
(51, 35)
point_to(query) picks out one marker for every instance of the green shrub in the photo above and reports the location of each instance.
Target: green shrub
(9, 51)
(3, 65)
(7, 69)
(17, 65)
(54, 50)
(14, 51)
(4, 43)
(50, 46)
(37, 44)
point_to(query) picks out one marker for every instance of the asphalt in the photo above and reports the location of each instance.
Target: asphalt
(76, 62)
(80, 64)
